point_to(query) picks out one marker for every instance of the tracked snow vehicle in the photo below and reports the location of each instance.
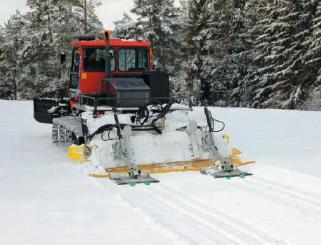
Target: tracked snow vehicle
(119, 114)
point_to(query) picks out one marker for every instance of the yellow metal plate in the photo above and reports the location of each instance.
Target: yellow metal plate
(84, 76)
(78, 153)
(194, 165)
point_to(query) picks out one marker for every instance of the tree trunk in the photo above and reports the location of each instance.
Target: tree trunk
(85, 17)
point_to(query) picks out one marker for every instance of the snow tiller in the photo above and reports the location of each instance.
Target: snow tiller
(120, 117)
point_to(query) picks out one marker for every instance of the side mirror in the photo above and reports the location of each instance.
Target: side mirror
(62, 58)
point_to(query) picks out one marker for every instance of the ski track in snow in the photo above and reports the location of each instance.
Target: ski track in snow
(282, 194)
(232, 223)
(243, 232)
(287, 192)
(160, 215)
(213, 225)
(195, 228)
(175, 238)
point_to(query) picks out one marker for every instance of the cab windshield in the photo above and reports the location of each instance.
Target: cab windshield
(133, 59)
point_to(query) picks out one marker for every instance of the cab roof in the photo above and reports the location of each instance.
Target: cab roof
(113, 43)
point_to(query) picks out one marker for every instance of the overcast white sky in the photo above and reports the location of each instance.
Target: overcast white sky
(110, 10)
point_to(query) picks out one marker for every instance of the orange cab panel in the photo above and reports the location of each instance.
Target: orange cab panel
(92, 83)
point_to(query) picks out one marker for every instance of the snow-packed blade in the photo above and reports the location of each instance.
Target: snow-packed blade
(185, 144)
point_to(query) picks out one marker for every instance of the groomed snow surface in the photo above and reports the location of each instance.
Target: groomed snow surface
(46, 199)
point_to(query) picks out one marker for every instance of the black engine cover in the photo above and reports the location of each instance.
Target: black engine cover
(128, 92)
(158, 81)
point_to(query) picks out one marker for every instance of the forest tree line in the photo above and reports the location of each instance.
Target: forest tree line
(249, 53)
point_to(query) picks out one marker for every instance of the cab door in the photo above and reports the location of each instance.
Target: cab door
(74, 74)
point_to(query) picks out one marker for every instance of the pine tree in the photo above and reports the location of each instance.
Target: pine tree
(312, 59)
(3, 86)
(167, 45)
(193, 24)
(158, 22)
(241, 53)
(148, 13)
(10, 61)
(181, 85)
(281, 78)
(217, 67)
(93, 23)
(42, 47)
(125, 28)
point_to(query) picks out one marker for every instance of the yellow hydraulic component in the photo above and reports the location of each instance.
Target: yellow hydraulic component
(227, 137)
(78, 152)
(235, 158)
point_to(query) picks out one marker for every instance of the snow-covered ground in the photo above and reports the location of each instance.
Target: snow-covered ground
(47, 199)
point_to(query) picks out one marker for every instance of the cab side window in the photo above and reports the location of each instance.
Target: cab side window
(74, 76)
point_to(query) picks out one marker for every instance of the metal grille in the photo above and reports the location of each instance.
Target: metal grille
(133, 98)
